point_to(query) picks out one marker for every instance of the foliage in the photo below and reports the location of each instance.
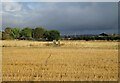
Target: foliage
(7, 34)
(26, 33)
(46, 34)
(0, 35)
(15, 33)
(38, 33)
(54, 35)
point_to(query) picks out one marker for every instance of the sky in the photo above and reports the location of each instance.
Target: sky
(60, 0)
(68, 17)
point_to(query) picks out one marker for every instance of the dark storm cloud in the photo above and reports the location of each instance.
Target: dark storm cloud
(69, 18)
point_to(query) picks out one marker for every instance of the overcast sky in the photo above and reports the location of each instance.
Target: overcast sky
(67, 17)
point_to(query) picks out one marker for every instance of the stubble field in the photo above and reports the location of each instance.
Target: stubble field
(72, 61)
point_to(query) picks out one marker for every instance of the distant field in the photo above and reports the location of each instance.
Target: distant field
(72, 61)
(81, 44)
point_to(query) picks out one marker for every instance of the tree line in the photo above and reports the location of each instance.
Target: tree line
(87, 38)
(27, 33)
(102, 36)
(39, 33)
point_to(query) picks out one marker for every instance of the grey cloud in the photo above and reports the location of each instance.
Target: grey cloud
(66, 17)
(60, 0)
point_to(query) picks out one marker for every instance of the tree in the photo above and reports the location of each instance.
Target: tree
(0, 35)
(38, 33)
(7, 34)
(15, 33)
(8, 30)
(26, 33)
(54, 35)
(46, 34)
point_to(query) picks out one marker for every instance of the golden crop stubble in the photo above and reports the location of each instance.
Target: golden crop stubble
(65, 63)
(0, 61)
